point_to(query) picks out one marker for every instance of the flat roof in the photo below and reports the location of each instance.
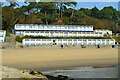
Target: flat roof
(54, 25)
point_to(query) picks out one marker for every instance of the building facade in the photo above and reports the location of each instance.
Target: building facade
(104, 31)
(68, 41)
(58, 30)
(62, 31)
(32, 27)
(2, 35)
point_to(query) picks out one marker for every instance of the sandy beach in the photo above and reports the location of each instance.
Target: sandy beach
(44, 59)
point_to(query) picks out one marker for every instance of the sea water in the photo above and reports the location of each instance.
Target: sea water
(85, 72)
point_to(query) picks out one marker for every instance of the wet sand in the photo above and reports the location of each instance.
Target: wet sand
(45, 59)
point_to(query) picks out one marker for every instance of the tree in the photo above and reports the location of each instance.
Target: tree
(8, 17)
(50, 12)
(95, 12)
(62, 6)
(73, 5)
(109, 13)
(31, 19)
(77, 18)
(86, 11)
(68, 12)
(46, 8)
(13, 3)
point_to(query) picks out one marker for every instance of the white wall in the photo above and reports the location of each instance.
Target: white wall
(73, 41)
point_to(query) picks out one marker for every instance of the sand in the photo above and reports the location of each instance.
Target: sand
(45, 59)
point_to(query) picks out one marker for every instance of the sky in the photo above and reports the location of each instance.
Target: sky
(72, 0)
(99, 5)
(85, 4)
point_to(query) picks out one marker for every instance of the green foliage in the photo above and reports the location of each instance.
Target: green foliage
(8, 33)
(117, 38)
(65, 20)
(95, 12)
(50, 12)
(109, 13)
(19, 39)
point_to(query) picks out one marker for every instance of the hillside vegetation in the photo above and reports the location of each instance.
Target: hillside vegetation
(58, 13)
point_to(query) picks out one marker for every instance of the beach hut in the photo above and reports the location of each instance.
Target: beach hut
(68, 41)
(2, 35)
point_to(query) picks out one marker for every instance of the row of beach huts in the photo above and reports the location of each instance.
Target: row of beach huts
(60, 31)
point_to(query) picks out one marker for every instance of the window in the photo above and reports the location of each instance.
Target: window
(41, 32)
(33, 26)
(17, 26)
(32, 39)
(26, 39)
(74, 33)
(112, 40)
(59, 39)
(71, 27)
(39, 27)
(79, 40)
(65, 33)
(37, 31)
(92, 33)
(75, 40)
(98, 40)
(89, 39)
(26, 31)
(48, 39)
(46, 32)
(27, 26)
(23, 26)
(64, 39)
(83, 32)
(32, 31)
(37, 39)
(58, 27)
(103, 40)
(36, 26)
(61, 32)
(45, 27)
(43, 39)
(96, 33)
(69, 39)
(30, 26)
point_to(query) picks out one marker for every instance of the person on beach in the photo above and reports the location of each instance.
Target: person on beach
(98, 46)
(61, 46)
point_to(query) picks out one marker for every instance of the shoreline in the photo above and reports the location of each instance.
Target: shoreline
(54, 66)
(110, 72)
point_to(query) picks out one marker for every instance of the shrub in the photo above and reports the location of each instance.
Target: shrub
(19, 39)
